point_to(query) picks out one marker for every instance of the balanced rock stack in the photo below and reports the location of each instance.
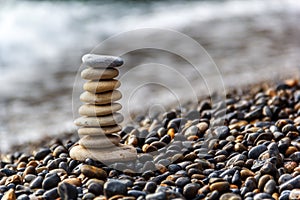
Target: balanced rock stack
(99, 122)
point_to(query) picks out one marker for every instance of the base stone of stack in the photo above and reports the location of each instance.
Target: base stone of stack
(120, 153)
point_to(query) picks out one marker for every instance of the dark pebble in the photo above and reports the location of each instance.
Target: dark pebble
(157, 196)
(256, 151)
(36, 183)
(289, 185)
(222, 132)
(95, 188)
(114, 187)
(67, 191)
(150, 187)
(182, 181)
(136, 193)
(51, 181)
(51, 194)
(23, 197)
(295, 156)
(284, 178)
(270, 187)
(42, 153)
(260, 196)
(88, 196)
(190, 190)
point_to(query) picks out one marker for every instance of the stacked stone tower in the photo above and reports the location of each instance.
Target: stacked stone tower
(99, 121)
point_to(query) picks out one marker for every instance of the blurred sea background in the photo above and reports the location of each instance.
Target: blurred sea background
(41, 44)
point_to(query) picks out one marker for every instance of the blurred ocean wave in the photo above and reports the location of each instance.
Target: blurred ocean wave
(41, 43)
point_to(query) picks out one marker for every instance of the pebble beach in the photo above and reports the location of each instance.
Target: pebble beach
(254, 154)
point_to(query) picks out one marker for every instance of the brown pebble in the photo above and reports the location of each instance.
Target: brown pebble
(40, 169)
(148, 148)
(93, 172)
(161, 168)
(9, 195)
(239, 147)
(16, 179)
(246, 173)
(21, 165)
(263, 180)
(220, 186)
(290, 166)
(73, 181)
(290, 150)
(33, 163)
(171, 133)
(198, 176)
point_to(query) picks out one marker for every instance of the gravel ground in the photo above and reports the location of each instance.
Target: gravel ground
(254, 154)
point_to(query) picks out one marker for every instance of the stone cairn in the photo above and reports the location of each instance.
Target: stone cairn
(98, 124)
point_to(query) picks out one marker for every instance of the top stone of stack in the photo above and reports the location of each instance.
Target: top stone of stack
(101, 61)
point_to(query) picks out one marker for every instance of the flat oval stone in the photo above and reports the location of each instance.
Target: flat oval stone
(105, 155)
(98, 110)
(220, 186)
(101, 98)
(256, 151)
(99, 121)
(93, 172)
(101, 86)
(99, 131)
(101, 61)
(97, 142)
(99, 74)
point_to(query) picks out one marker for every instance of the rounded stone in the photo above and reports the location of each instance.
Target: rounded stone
(36, 183)
(230, 196)
(93, 172)
(190, 190)
(9, 195)
(107, 120)
(98, 142)
(114, 187)
(99, 131)
(99, 74)
(256, 151)
(67, 191)
(106, 155)
(98, 110)
(51, 194)
(73, 181)
(42, 153)
(270, 187)
(101, 86)
(220, 186)
(95, 188)
(101, 98)
(51, 181)
(101, 61)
